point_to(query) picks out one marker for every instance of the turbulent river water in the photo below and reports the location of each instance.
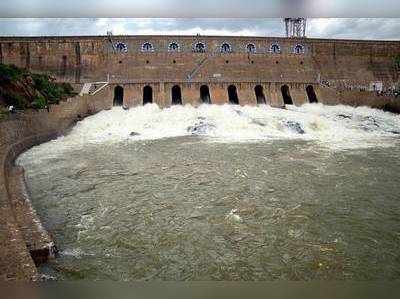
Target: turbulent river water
(222, 193)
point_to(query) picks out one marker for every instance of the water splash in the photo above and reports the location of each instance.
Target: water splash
(233, 216)
(336, 127)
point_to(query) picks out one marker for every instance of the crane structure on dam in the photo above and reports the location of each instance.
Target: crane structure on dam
(295, 27)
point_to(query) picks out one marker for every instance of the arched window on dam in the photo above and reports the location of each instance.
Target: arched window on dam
(205, 94)
(226, 48)
(176, 95)
(147, 47)
(121, 47)
(173, 47)
(260, 96)
(251, 48)
(298, 49)
(118, 96)
(147, 95)
(275, 49)
(287, 99)
(233, 96)
(199, 48)
(312, 96)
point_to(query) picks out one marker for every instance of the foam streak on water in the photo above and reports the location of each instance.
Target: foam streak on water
(336, 127)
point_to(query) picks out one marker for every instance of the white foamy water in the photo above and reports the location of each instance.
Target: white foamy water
(336, 127)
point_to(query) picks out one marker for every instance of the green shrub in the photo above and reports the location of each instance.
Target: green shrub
(19, 102)
(52, 91)
(44, 86)
(68, 89)
(12, 99)
(39, 103)
(11, 72)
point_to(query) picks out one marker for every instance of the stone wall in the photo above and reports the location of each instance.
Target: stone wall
(136, 61)
(21, 236)
(162, 93)
(88, 59)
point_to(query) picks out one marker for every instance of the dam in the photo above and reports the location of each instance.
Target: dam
(177, 162)
(134, 70)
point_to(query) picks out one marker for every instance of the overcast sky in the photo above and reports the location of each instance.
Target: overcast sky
(319, 28)
(200, 8)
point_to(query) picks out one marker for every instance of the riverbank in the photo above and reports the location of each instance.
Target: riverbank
(22, 237)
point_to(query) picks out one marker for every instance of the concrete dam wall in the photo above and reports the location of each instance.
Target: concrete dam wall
(195, 69)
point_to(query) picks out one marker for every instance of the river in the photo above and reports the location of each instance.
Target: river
(222, 193)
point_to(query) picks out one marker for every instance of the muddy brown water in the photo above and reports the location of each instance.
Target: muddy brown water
(186, 208)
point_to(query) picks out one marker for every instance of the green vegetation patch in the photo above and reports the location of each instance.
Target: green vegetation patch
(23, 89)
(11, 72)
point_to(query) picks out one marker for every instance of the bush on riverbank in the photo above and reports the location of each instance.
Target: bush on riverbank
(23, 90)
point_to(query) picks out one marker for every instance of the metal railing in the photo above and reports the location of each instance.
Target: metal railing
(86, 88)
(197, 69)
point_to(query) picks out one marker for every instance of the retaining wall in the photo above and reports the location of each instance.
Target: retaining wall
(23, 242)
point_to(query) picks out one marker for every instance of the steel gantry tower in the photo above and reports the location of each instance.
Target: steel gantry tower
(295, 27)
